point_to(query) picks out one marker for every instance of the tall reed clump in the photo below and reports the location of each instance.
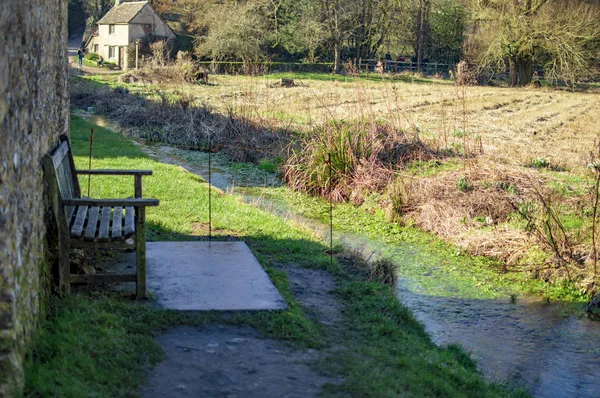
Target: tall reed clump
(363, 156)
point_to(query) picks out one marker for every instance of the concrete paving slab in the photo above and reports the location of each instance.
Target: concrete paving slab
(203, 276)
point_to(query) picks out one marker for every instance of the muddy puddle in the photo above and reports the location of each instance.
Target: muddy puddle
(526, 343)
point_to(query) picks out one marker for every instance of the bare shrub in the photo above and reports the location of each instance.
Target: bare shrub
(160, 53)
(177, 119)
(160, 70)
(255, 67)
(464, 76)
(185, 70)
(349, 68)
(544, 213)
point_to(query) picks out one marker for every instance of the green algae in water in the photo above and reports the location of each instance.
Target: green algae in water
(435, 267)
(241, 173)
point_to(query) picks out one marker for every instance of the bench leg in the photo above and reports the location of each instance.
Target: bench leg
(140, 254)
(64, 268)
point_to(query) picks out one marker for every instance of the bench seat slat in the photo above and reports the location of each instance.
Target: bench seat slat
(135, 202)
(80, 217)
(92, 224)
(129, 221)
(117, 223)
(102, 278)
(116, 172)
(103, 231)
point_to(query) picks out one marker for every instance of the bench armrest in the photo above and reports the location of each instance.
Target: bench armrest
(116, 172)
(138, 202)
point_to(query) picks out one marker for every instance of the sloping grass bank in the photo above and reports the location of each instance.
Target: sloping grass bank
(98, 344)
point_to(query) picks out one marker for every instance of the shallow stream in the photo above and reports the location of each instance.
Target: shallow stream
(526, 343)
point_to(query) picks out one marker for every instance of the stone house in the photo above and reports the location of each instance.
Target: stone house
(122, 26)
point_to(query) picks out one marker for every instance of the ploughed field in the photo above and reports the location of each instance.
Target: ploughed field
(515, 125)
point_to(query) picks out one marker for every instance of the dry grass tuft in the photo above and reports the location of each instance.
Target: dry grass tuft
(476, 220)
(383, 271)
(442, 207)
(363, 158)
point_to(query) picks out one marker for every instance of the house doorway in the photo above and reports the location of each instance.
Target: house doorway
(121, 57)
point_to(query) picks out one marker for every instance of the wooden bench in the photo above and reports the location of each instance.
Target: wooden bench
(95, 223)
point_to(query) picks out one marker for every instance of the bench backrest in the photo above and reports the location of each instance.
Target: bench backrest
(59, 168)
(65, 173)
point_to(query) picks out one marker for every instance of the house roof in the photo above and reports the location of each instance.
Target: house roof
(123, 13)
(87, 36)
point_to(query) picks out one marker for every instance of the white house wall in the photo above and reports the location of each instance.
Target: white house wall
(119, 38)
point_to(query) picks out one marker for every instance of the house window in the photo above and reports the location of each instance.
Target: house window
(96, 48)
(112, 52)
(111, 29)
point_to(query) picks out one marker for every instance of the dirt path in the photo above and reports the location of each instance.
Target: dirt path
(233, 361)
(75, 40)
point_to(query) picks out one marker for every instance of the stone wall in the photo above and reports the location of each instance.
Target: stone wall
(34, 111)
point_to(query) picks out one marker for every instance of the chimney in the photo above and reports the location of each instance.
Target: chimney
(117, 2)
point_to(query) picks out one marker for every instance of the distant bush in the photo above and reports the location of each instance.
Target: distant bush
(92, 56)
(162, 69)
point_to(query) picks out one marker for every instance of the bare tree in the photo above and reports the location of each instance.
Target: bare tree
(337, 16)
(521, 33)
(236, 32)
(95, 9)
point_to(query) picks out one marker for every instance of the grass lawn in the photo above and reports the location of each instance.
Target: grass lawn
(99, 344)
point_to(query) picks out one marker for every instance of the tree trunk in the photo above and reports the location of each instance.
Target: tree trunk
(418, 51)
(336, 60)
(311, 54)
(525, 66)
(513, 73)
(422, 31)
